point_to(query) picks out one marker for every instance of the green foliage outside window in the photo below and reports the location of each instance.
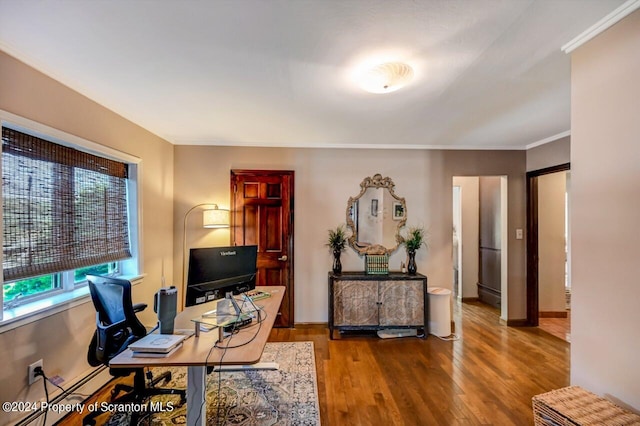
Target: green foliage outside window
(104, 269)
(28, 287)
(37, 285)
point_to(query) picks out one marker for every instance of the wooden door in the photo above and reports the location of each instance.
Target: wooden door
(262, 215)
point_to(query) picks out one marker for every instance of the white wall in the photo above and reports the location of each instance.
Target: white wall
(605, 191)
(469, 187)
(551, 240)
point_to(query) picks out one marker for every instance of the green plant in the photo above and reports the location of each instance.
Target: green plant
(337, 238)
(415, 238)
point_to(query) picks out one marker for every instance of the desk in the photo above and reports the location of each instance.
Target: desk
(196, 353)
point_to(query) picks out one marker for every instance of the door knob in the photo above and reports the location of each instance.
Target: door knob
(283, 258)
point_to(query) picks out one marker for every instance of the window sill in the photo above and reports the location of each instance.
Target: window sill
(37, 310)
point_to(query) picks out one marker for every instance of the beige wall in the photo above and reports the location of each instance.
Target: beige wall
(551, 237)
(61, 340)
(550, 154)
(605, 190)
(325, 179)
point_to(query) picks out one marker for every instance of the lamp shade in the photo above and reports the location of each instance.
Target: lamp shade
(215, 218)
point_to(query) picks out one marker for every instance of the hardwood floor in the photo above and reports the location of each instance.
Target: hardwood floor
(559, 327)
(488, 377)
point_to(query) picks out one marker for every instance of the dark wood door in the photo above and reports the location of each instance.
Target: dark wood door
(262, 215)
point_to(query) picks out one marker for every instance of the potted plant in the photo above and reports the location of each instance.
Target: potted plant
(414, 239)
(337, 242)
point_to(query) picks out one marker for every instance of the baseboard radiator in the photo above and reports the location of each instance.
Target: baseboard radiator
(75, 393)
(489, 295)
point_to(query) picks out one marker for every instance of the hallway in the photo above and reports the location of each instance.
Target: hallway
(559, 327)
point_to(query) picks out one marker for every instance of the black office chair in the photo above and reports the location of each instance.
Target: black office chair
(117, 327)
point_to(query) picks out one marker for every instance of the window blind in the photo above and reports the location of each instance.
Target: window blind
(63, 209)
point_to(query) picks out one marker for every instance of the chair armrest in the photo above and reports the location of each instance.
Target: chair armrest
(139, 307)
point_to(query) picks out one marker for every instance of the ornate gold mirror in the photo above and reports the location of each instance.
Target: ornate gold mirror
(375, 217)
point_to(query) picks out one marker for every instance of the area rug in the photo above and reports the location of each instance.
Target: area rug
(288, 396)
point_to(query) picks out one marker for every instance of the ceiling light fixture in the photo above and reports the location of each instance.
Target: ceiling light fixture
(386, 77)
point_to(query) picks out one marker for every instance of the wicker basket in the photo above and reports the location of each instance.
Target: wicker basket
(575, 406)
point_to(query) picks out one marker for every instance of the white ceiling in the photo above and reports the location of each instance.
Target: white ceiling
(489, 73)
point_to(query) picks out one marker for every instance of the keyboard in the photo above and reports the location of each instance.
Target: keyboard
(257, 294)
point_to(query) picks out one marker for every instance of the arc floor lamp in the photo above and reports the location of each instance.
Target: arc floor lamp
(213, 217)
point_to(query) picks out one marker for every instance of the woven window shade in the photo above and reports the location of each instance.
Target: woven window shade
(63, 209)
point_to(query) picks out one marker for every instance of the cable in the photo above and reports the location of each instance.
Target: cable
(39, 372)
(260, 320)
(448, 338)
(224, 349)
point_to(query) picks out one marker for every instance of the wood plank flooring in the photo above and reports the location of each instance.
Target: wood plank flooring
(486, 378)
(559, 327)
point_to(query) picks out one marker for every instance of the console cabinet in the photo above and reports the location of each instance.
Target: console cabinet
(358, 301)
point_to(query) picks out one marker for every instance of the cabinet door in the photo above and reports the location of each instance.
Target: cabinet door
(402, 303)
(355, 303)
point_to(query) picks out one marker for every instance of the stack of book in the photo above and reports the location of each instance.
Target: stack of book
(377, 263)
(157, 345)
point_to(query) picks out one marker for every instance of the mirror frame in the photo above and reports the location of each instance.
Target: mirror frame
(375, 181)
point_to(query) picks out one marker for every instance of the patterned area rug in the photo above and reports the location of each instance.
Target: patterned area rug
(288, 396)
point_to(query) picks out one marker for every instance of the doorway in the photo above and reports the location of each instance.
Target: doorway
(480, 240)
(541, 246)
(262, 214)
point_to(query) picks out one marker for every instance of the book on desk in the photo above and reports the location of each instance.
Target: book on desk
(157, 345)
(156, 354)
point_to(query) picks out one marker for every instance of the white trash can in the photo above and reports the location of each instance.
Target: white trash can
(439, 311)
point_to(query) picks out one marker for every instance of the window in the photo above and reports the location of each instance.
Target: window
(66, 213)
(35, 288)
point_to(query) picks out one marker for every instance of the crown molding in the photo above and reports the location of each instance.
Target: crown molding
(352, 146)
(549, 139)
(608, 21)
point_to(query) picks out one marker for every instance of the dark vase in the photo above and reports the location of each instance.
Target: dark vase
(337, 266)
(412, 268)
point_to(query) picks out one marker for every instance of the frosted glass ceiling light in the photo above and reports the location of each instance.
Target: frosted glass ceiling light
(387, 77)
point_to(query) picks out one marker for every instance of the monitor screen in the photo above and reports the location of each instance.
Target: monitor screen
(215, 271)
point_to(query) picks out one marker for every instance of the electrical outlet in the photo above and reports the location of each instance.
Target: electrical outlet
(32, 375)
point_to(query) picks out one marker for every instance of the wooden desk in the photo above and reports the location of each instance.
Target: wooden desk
(196, 352)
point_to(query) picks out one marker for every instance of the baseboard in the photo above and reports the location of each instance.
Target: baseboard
(311, 325)
(517, 323)
(88, 384)
(470, 299)
(552, 314)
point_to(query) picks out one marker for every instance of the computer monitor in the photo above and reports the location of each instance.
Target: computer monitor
(214, 271)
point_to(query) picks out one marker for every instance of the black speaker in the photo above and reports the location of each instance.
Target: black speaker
(165, 305)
